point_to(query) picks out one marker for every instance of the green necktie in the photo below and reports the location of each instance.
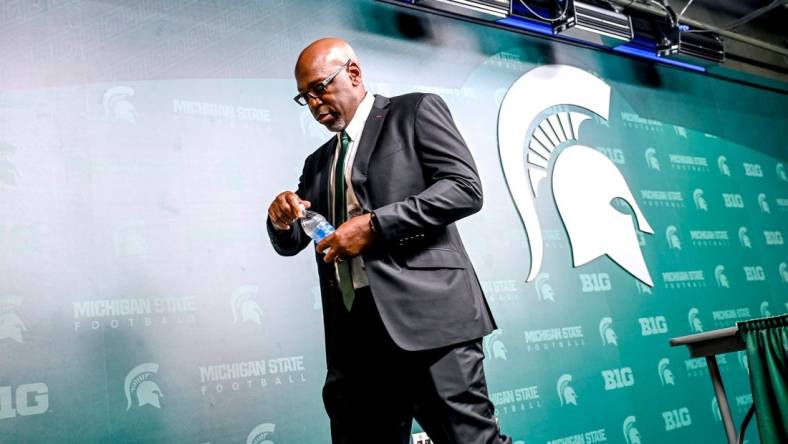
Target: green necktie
(340, 215)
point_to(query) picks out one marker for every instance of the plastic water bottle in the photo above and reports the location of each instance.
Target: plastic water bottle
(315, 225)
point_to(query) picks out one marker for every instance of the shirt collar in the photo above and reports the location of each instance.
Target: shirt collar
(356, 125)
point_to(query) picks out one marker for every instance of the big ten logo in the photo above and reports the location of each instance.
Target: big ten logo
(653, 325)
(752, 169)
(616, 378)
(595, 282)
(420, 438)
(677, 418)
(773, 237)
(614, 154)
(754, 273)
(26, 400)
(733, 200)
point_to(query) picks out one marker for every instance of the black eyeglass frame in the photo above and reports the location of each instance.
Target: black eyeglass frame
(317, 90)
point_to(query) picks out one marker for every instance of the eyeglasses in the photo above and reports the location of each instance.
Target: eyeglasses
(319, 89)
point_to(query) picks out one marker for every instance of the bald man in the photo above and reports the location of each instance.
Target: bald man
(404, 314)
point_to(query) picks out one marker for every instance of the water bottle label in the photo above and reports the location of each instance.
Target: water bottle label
(323, 230)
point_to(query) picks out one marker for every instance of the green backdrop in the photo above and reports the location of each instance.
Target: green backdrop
(140, 300)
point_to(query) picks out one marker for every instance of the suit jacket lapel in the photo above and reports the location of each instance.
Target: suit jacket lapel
(366, 146)
(324, 178)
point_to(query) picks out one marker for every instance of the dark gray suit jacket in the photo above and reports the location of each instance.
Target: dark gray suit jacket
(414, 171)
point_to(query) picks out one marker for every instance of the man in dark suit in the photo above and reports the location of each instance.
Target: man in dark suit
(403, 310)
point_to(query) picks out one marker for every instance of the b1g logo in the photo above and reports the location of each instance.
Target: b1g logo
(139, 385)
(543, 110)
(616, 378)
(653, 325)
(25, 400)
(420, 438)
(595, 282)
(259, 435)
(676, 419)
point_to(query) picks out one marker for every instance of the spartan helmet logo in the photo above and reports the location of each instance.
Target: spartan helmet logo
(651, 159)
(743, 362)
(784, 271)
(722, 164)
(584, 181)
(665, 375)
(8, 172)
(11, 325)
(140, 385)
(544, 291)
(700, 202)
(715, 409)
(259, 434)
(765, 312)
(631, 434)
(117, 107)
(764, 206)
(672, 235)
(245, 309)
(607, 333)
(744, 239)
(694, 320)
(781, 172)
(566, 394)
(493, 345)
(722, 279)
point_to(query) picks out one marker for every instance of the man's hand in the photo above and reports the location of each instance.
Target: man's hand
(350, 239)
(286, 209)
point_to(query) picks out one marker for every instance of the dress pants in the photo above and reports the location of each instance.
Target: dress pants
(374, 389)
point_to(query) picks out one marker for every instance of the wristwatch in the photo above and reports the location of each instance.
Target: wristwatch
(373, 223)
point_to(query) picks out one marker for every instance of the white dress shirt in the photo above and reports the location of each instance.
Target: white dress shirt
(354, 130)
